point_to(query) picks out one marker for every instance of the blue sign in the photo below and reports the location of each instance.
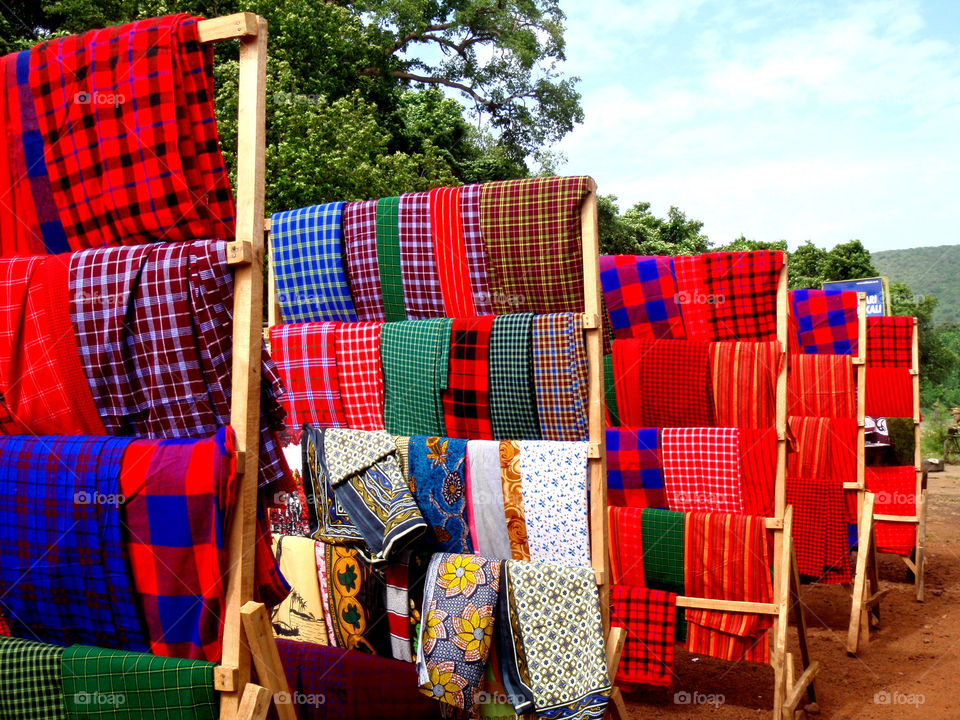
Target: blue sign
(875, 288)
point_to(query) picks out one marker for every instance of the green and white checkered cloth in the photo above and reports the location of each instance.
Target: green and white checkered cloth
(416, 361)
(116, 685)
(30, 685)
(513, 397)
(388, 258)
(663, 549)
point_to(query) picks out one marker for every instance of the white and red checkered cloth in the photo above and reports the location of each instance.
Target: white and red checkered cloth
(701, 469)
(361, 379)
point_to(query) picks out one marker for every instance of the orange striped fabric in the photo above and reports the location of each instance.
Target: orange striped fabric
(813, 448)
(821, 386)
(450, 251)
(744, 379)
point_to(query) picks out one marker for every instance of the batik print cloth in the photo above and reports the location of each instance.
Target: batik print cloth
(356, 602)
(438, 481)
(333, 523)
(513, 499)
(300, 616)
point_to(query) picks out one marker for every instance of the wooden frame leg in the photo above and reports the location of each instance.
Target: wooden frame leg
(864, 548)
(254, 703)
(615, 640)
(920, 559)
(266, 659)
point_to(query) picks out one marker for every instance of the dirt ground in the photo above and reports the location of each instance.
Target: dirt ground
(909, 669)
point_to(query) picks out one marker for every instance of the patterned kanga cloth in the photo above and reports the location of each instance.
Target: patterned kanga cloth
(438, 481)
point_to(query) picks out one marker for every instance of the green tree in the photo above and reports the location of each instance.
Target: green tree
(937, 361)
(638, 231)
(744, 244)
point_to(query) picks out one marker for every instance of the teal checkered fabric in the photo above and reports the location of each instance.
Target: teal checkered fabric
(663, 549)
(416, 360)
(513, 398)
(30, 680)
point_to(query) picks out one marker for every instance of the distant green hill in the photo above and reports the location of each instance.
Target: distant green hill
(927, 271)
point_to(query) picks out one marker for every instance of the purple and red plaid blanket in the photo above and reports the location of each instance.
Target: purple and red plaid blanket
(640, 292)
(826, 321)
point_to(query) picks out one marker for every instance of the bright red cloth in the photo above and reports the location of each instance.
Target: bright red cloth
(466, 400)
(306, 357)
(701, 469)
(890, 342)
(895, 491)
(758, 465)
(744, 382)
(451, 252)
(889, 392)
(626, 546)
(650, 618)
(821, 386)
(820, 537)
(359, 374)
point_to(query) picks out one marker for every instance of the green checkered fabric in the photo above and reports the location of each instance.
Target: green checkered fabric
(663, 549)
(513, 396)
(30, 686)
(117, 685)
(610, 391)
(416, 360)
(388, 258)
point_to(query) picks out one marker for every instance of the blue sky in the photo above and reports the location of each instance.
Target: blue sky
(780, 120)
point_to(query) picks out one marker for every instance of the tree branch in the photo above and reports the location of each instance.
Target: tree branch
(415, 34)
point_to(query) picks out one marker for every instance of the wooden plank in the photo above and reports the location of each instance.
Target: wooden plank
(781, 620)
(224, 678)
(876, 597)
(697, 603)
(897, 518)
(774, 523)
(860, 577)
(796, 692)
(228, 27)
(921, 545)
(266, 659)
(247, 313)
(254, 704)
(780, 545)
(801, 619)
(615, 640)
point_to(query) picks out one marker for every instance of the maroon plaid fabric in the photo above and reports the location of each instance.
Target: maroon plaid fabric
(306, 357)
(130, 140)
(422, 295)
(890, 342)
(663, 383)
(820, 529)
(360, 250)
(560, 376)
(650, 619)
(475, 250)
(531, 229)
(466, 401)
(153, 326)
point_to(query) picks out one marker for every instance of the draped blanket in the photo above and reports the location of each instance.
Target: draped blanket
(466, 401)
(358, 374)
(438, 481)
(301, 614)
(821, 386)
(826, 321)
(422, 294)
(889, 392)
(360, 258)
(513, 402)
(560, 376)
(663, 536)
(634, 477)
(486, 512)
(388, 259)
(640, 293)
(31, 680)
(701, 469)
(820, 536)
(306, 358)
(626, 546)
(513, 499)
(327, 512)
(896, 494)
(650, 618)
(450, 252)
(475, 249)
(744, 383)
(416, 362)
(890, 342)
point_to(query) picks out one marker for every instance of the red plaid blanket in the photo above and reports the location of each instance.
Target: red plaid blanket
(890, 342)
(360, 259)
(889, 392)
(701, 469)
(451, 252)
(640, 294)
(650, 619)
(825, 322)
(744, 381)
(663, 383)
(466, 400)
(178, 497)
(130, 140)
(626, 546)
(895, 489)
(306, 357)
(821, 386)
(820, 537)
(360, 377)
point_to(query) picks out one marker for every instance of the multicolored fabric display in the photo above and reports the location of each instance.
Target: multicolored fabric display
(356, 602)
(438, 481)
(485, 506)
(422, 295)
(364, 472)
(563, 672)
(396, 600)
(890, 342)
(513, 499)
(743, 377)
(359, 376)
(826, 321)
(889, 392)
(758, 465)
(626, 546)
(554, 480)
(513, 401)
(821, 386)
(388, 687)
(388, 258)
(31, 680)
(153, 328)
(663, 383)
(450, 252)
(475, 249)
(466, 401)
(663, 533)
(63, 565)
(895, 490)
(416, 362)
(300, 616)
(820, 537)
(727, 559)
(459, 608)
(306, 358)
(328, 514)
(634, 477)
(701, 469)
(104, 101)
(113, 685)
(43, 390)
(307, 254)
(560, 376)
(360, 256)
(178, 495)
(650, 618)
(531, 229)
(640, 293)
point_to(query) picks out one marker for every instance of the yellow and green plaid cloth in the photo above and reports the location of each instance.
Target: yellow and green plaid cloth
(116, 685)
(513, 398)
(663, 549)
(30, 685)
(416, 360)
(388, 258)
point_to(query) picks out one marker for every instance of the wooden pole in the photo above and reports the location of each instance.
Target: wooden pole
(780, 567)
(920, 493)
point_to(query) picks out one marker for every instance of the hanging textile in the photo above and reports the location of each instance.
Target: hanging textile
(743, 377)
(388, 258)
(422, 295)
(320, 562)
(485, 507)
(895, 489)
(360, 257)
(450, 252)
(359, 375)
(531, 229)
(475, 249)
(150, 686)
(307, 254)
(626, 546)
(460, 603)
(356, 602)
(889, 392)
(663, 383)
(178, 498)
(63, 565)
(31, 680)
(416, 361)
(650, 618)
(821, 386)
(701, 469)
(890, 342)
(306, 358)
(300, 616)
(820, 537)
(513, 402)
(634, 477)
(560, 376)
(610, 392)
(563, 672)
(758, 465)
(662, 533)
(727, 559)
(826, 321)
(814, 441)
(153, 324)
(328, 513)
(466, 400)
(396, 600)
(513, 499)
(417, 578)
(438, 481)
(640, 293)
